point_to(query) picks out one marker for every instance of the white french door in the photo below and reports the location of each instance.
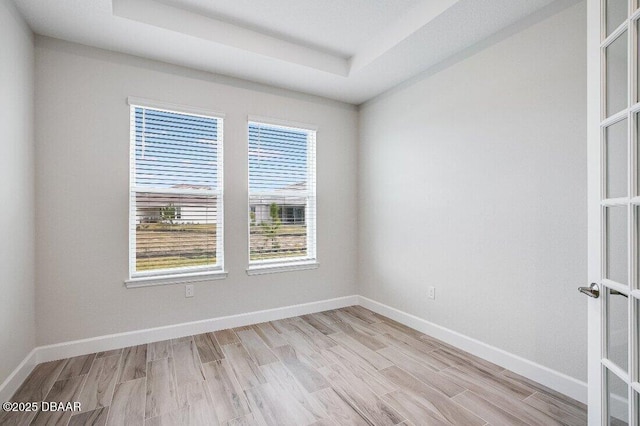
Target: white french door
(614, 212)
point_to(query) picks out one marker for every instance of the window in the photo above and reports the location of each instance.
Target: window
(292, 214)
(176, 209)
(282, 196)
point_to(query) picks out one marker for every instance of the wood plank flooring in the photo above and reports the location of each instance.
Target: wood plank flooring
(343, 367)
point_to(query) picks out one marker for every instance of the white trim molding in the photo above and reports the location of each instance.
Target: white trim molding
(18, 376)
(281, 122)
(546, 376)
(168, 106)
(138, 337)
(272, 268)
(153, 280)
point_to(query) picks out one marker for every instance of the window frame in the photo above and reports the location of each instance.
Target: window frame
(182, 274)
(310, 261)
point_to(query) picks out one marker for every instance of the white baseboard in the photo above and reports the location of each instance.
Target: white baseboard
(18, 376)
(115, 341)
(555, 380)
(139, 337)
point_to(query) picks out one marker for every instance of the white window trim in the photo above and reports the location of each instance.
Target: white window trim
(187, 274)
(276, 267)
(260, 267)
(171, 107)
(155, 280)
(280, 122)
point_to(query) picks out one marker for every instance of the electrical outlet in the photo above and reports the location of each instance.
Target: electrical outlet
(432, 292)
(188, 290)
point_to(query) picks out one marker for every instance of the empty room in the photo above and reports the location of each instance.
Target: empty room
(302, 212)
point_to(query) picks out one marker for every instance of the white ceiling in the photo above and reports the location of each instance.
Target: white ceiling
(340, 27)
(349, 50)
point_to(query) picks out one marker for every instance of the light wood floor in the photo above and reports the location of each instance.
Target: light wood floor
(343, 367)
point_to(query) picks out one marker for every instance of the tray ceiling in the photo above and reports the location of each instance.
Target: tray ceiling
(348, 50)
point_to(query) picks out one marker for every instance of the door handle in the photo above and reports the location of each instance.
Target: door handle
(592, 291)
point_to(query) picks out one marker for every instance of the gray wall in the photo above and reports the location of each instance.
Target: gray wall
(17, 318)
(82, 182)
(473, 180)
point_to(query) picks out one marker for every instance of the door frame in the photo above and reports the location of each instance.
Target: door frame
(594, 179)
(597, 241)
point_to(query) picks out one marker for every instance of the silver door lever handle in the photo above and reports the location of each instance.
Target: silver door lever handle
(592, 291)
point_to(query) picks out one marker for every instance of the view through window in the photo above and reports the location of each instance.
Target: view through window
(282, 205)
(176, 192)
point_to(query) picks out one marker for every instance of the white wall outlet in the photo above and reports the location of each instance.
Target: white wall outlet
(188, 290)
(432, 292)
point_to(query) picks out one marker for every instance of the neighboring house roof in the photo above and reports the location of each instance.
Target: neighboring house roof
(298, 186)
(189, 186)
(282, 199)
(289, 201)
(150, 201)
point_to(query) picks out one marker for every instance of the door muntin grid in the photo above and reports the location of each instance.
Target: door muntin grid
(620, 213)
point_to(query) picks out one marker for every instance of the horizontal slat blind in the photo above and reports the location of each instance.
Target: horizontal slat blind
(176, 192)
(282, 206)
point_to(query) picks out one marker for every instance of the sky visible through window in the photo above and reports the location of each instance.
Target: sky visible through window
(277, 158)
(175, 150)
(178, 150)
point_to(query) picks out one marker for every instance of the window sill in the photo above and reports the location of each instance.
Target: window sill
(272, 268)
(175, 279)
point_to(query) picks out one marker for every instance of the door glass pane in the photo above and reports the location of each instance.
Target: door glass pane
(616, 152)
(638, 69)
(637, 146)
(617, 400)
(616, 14)
(616, 230)
(637, 272)
(617, 329)
(616, 88)
(636, 342)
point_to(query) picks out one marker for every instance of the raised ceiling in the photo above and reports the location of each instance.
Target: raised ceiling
(348, 50)
(340, 27)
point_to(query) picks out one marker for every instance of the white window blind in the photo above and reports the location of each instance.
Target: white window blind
(282, 194)
(176, 207)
